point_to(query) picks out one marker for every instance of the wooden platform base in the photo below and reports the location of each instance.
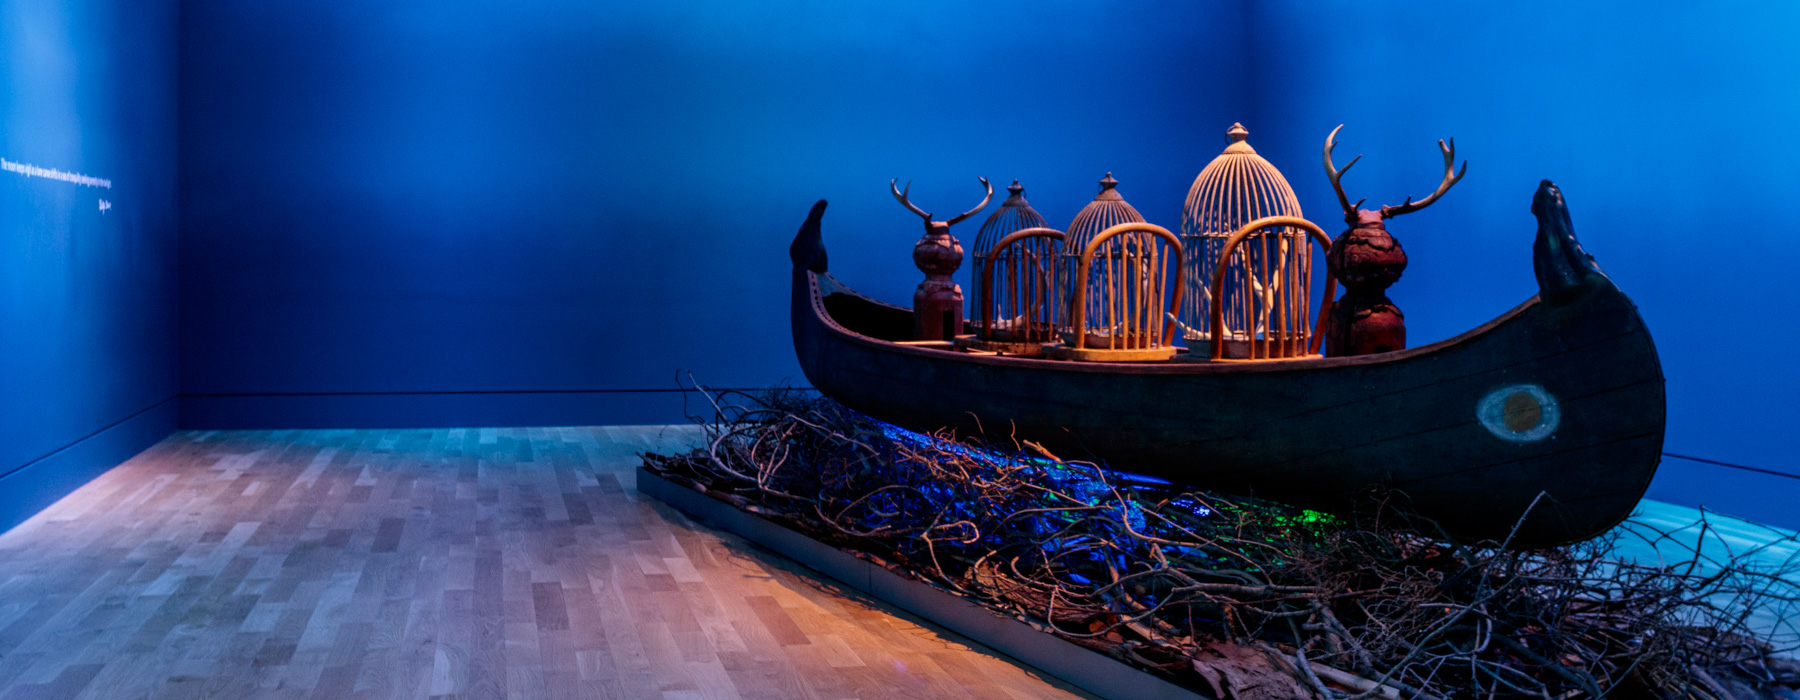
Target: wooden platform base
(1064, 352)
(970, 342)
(1090, 670)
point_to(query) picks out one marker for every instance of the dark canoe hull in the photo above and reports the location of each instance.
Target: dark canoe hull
(1310, 432)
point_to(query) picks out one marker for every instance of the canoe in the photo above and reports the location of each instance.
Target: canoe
(1560, 397)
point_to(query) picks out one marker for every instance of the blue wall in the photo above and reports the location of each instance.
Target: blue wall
(88, 300)
(1666, 124)
(390, 207)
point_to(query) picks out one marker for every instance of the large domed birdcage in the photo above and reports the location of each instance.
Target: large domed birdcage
(1014, 214)
(1264, 301)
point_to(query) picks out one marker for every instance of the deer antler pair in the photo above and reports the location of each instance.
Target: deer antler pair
(901, 195)
(1387, 211)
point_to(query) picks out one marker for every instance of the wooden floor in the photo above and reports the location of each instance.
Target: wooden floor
(494, 563)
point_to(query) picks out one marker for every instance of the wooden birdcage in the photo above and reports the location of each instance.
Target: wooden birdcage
(1264, 305)
(1014, 214)
(1018, 308)
(1128, 284)
(1108, 209)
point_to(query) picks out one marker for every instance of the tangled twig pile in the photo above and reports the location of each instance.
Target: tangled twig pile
(1250, 599)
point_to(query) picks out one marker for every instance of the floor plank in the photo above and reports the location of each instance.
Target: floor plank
(455, 563)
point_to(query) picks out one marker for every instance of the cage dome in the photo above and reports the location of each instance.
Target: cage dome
(1108, 209)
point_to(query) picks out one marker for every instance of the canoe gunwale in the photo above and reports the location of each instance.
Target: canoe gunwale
(1176, 367)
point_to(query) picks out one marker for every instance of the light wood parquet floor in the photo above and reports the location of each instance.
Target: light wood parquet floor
(477, 563)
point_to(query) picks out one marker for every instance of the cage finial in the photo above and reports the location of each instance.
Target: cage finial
(1238, 136)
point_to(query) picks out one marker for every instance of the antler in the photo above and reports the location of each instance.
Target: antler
(1450, 178)
(978, 207)
(899, 195)
(1335, 175)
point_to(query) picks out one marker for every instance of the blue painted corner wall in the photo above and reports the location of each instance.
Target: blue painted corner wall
(451, 212)
(88, 296)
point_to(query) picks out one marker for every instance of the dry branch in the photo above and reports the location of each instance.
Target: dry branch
(1213, 589)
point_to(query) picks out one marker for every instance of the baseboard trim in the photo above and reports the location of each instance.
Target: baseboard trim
(496, 409)
(1756, 495)
(33, 486)
(1085, 668)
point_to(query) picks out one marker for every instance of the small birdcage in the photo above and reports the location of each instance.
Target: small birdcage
(1263, 305)
(1123, 276)
(1014, 214)
(1017, 308)
(1108, 209)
